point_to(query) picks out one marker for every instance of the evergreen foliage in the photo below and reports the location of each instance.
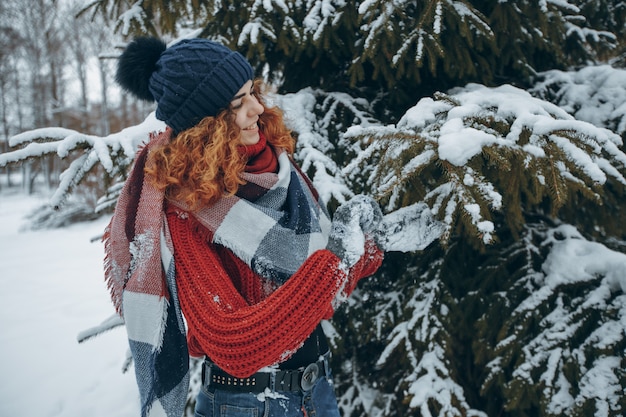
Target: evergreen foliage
(463, 332)
(544, 345)
(479, 323)
(483, 319)
(582, 93)
(395, 50)
(439, 37)
(507, 135)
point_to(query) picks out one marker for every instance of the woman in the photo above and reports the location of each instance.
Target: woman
(220, 248)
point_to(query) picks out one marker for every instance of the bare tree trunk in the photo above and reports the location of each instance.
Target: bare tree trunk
(5, 125)
(124, 110)
(78, 42)
(54, 53)
(84, 101)
(104, 116)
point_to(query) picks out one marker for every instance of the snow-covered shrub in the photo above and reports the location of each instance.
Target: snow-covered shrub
(595, 94)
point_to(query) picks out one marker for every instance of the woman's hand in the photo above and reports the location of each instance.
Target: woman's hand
(353, 220)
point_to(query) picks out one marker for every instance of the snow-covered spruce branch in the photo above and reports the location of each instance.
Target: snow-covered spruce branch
(478, 150)
(595, 94)
(358, 108)
(383, 19)
(312, 114)
(322, 16)
(359, 395)
(418, 332)
(564, 344)
(114, 152)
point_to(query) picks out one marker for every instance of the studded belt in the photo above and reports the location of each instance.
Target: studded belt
(298, 380)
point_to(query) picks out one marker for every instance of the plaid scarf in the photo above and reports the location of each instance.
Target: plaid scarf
(269, 216)
(272, 214)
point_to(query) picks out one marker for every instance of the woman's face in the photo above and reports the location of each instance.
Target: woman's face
(247, 109)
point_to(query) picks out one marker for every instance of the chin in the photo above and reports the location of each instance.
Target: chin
(251, 140)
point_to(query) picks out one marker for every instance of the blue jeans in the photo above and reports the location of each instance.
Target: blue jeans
(320, 401)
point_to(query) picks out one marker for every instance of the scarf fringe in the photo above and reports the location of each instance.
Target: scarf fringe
(161, 328)
(115, 289)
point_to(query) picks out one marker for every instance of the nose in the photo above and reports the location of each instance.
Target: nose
(255, 108)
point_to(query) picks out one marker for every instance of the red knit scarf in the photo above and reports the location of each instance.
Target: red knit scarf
(261, 157)
(234, 318)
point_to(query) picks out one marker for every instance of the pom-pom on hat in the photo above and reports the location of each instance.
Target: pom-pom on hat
(190, 80)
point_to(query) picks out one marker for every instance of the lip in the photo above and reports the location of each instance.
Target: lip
(252, 127)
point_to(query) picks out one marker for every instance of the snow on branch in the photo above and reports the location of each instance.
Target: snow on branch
(321, 16)
(134, 16)
(110, 323)
(383, 19)
(595, 94)
(270, 6)
(479, 150)
(428, 380)
(312, 114)
(253, 30)
(114, 152)
(574, 358)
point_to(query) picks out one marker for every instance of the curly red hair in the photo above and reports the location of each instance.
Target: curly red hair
(201, 164)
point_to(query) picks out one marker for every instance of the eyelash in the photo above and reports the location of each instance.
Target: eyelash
(253, 92)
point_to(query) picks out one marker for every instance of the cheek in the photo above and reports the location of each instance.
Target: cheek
(240, 119)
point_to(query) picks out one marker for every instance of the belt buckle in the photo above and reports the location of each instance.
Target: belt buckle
(309, 376)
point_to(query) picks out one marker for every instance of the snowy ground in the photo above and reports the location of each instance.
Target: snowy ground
(53, 288)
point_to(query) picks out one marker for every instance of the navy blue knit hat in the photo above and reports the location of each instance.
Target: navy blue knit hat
(190, 80)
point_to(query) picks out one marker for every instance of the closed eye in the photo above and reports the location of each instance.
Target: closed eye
(241, 97)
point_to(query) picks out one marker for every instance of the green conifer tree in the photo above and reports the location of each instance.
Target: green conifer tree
(507, 334)
(388, 52)
(477, 324)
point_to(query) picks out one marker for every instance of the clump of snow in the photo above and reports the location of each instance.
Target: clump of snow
(574, 259)
(595, 94)
(410, 228)
(268, 393)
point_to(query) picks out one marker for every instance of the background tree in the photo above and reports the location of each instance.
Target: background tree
(10, 41)
(390, 51)
(54, 67)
